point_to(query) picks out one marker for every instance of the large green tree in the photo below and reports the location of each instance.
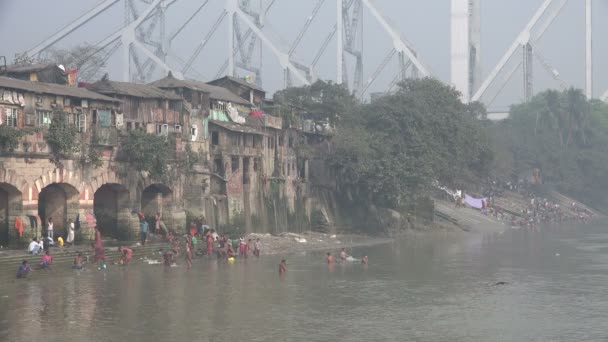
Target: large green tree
(563, 135)
(391, 150)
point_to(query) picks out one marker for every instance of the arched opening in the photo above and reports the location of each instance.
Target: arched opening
(10, 205)
(59, 201)
(111, 209)
(154, 199)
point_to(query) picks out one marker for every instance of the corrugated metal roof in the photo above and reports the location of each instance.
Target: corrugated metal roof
(53, 89)
(215, 92)
(132, 89)
(236, 127)
(30, 67)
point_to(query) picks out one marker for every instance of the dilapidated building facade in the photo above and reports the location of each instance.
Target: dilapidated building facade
(247, 172)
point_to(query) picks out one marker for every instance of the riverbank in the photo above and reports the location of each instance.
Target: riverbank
(513, 209)
(271, 245)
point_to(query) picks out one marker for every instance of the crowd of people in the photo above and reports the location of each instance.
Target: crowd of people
(539, 210)
(200, 241)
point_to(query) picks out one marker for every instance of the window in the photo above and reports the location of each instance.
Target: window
(10, 117)
(84, 103)
(67, 102)
(215, 138)
(256, 165)
(104, 118)
(218, 167)
(178, 128)
(162, 129)
(129, 125)
(81, 124)
(281, 141)
(44, 118)
(290, 142)
(193, 132)
(235, 163)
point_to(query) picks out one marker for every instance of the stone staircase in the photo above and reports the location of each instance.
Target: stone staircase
(11, 259)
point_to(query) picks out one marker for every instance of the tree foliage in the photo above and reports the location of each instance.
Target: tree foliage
(62, 138)
(391, 150)
(83, 57)
(563, 135)
(147, 152)
(10, 136)
(319, 101)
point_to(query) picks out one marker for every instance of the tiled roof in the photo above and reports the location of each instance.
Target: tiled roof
(239, 81)
(215, 92)
(132, 89)
(51, 88)
(29, 67)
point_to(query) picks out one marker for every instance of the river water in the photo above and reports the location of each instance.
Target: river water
(433, 288)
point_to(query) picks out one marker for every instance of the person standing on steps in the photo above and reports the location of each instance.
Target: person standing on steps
(71, 229)
(143, 230)
(49, 228)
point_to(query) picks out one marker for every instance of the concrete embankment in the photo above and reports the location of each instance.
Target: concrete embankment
(467, 219)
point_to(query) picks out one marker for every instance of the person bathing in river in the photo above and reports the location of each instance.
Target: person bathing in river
(257, 248)
(209, 240)
(168, 258)
(330, 258)
(242, 246)
(283, 267)
(24, 270)
(230, 252)
(78, 262)
(248, 248)
(343, 255)
(99, 252)
(364, 260)
(46, 261)
(188, 253)
(127, 254)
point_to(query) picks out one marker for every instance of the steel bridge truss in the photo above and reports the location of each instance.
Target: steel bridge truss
(145, 44)
(526, 42)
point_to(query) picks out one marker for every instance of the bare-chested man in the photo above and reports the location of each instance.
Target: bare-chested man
(330, 258)
(343, 255)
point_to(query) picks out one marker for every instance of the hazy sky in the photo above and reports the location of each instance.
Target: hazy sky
(425, 23)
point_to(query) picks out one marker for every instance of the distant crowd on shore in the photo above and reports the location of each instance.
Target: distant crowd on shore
(539, 210)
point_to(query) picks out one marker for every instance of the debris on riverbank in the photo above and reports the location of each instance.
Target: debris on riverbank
(286, 243)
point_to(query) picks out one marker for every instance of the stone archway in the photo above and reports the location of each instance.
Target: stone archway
(112, 211)
(10, 207)
(61, 202)
(156, 198)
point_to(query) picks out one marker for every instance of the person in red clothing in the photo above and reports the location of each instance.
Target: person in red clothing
(209, 244)
(46, 261)
(127, 254)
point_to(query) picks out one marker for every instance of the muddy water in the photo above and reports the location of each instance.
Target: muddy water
(435, 288)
